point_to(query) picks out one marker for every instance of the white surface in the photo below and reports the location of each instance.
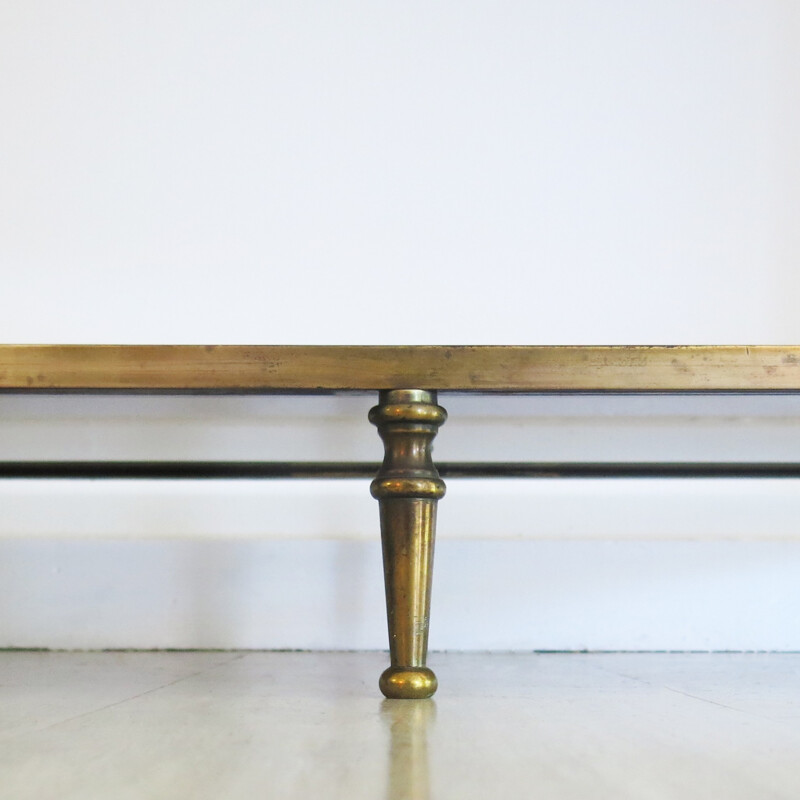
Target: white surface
(342, 510)
(298, 725)
(335, 428)
(488, 595)
(289, 172)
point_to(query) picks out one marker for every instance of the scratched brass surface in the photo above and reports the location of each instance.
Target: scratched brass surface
(408, 487)
(341, 368)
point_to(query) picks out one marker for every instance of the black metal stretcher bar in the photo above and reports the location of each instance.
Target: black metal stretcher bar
(257, 470)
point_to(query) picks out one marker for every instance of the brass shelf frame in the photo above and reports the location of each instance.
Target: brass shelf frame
(407, 379)
(268, 368)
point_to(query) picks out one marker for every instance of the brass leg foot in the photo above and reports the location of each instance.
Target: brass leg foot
(408, 486)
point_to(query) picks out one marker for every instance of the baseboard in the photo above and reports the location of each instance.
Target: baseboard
(327, 594)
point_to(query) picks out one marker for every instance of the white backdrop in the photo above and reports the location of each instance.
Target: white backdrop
(356, 172)
(352, 172)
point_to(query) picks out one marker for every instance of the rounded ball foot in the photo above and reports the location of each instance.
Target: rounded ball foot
(408, 683)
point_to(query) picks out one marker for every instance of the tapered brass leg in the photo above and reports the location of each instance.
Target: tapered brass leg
(408, 486)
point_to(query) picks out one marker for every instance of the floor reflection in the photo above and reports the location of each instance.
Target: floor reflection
(408, 722)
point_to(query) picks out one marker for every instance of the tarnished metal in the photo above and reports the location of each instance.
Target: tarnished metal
(325, 368)
(265, 470)
(408, 487)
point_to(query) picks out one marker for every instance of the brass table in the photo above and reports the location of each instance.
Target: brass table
(407, 416)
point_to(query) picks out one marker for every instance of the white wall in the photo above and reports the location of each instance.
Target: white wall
(504, 172)
(353, 172)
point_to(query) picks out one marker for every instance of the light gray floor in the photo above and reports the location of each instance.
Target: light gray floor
(312, 725)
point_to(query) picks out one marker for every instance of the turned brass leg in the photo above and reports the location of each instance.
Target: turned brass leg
(408, 486)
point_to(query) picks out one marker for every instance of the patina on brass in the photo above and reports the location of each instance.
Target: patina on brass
(324, 368)
(408, 487)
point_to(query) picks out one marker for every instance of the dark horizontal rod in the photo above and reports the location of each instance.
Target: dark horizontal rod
(214, 470)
